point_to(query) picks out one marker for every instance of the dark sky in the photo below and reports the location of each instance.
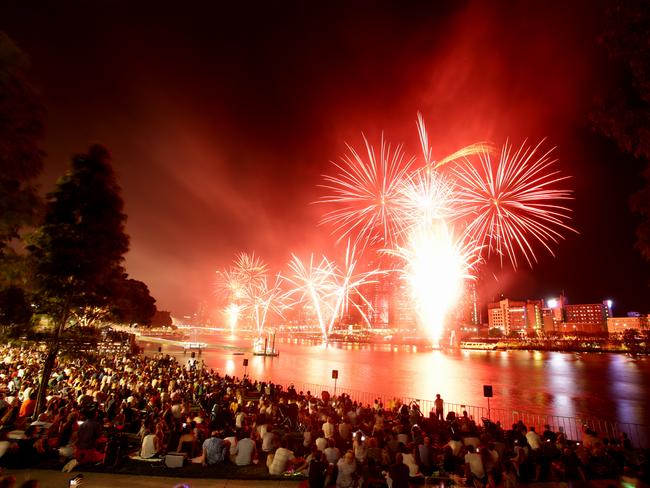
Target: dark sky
(222, 117)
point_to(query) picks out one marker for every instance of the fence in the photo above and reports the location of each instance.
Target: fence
(638, 434)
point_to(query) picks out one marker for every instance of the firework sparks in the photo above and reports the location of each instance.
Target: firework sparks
(513, 201)
(232, 313)
(262, 298)
(328, 289)
(246, 288)
(503, 209)
(436, 263)
(367, 191)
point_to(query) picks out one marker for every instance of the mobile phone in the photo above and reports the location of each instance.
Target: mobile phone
(76, 481)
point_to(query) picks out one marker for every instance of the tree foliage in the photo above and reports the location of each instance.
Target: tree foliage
(624, 116)
(15, 311)
(133, 303)
(21, 158)
(161, 318)
(79, 250)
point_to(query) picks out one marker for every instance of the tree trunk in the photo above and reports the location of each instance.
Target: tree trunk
(46, 372)
(50, 359)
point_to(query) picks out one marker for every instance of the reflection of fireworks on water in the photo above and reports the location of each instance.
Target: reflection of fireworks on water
(500, 210)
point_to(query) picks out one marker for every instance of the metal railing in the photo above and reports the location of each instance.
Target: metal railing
(572, 427)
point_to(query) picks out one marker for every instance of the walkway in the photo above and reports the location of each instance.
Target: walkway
(57, 479)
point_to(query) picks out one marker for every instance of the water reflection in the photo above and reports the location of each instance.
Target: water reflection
(600, 385)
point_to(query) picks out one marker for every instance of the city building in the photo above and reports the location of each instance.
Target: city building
(586, 317)
(618, 325)
(515, 316)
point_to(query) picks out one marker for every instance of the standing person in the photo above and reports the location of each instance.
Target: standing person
(439, 405)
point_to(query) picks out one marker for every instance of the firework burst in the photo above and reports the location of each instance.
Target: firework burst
(329, 289)
(367, 191)
(503, 208)
(436, 263)
(510, 204)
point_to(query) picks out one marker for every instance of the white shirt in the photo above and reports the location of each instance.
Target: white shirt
(409, 460)
(148, 449)
(321, 443)
(280, 459)
(328, 430)
(244, 452)
(267, 441)
(475, 464)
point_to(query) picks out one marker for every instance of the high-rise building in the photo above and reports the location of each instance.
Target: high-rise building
(618, 325)
(586, 317)
(468, 311)
(402, 309)
(516, 316)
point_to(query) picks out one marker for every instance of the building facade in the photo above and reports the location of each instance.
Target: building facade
(618, 325)
(515, 316)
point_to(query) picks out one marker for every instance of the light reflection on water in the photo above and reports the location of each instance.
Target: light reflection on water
(609, 386)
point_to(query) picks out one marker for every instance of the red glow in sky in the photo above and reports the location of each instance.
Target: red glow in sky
(221, 121)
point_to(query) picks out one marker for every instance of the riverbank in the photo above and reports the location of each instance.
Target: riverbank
(54, 479)
(579, 345)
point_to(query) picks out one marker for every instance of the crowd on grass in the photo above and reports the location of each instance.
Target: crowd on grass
(102, 408)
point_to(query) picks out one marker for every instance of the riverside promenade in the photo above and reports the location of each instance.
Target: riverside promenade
(57, 479)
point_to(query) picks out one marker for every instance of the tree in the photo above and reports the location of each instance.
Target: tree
(495, 332)
(21, 129)
(15, 310)
(133, 303)
(78, 251)
(625, 115)
(21, 159)
(161, 318)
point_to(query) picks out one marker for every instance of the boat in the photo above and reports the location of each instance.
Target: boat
(261, 347)
(478, 346)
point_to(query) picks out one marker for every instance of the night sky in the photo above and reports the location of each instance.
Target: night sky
(222, 117)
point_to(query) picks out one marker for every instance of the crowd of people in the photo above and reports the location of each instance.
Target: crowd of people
(103, 408)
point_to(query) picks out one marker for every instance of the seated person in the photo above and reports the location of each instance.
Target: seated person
(281, 459)
(150, 445)
(245, 451)
(214, 449)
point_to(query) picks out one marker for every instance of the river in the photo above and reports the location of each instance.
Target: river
(612, 387)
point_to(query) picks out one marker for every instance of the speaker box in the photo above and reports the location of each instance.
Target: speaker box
(175, 459)
(487, 391)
